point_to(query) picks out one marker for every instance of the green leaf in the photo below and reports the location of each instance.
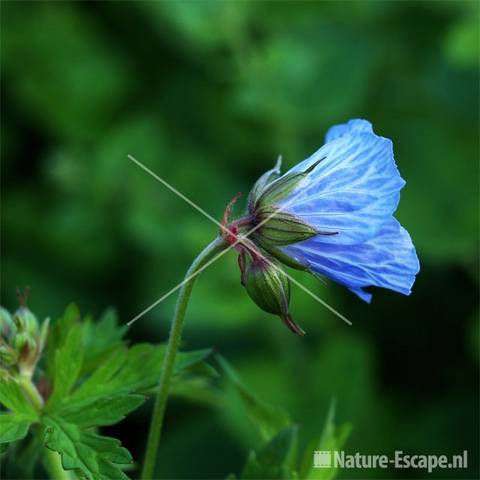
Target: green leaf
(196, 389)
(103, 336)
(68, 363)
(187, 360)
(104, 397)
(106, 411)
(332, 439)
(123, 371)
(95, 456)
(276, 460)
(132, 370)
(96, 381)
(203, 369)
(14, 427)
(58, 334)
(268, 419)
(13, 398)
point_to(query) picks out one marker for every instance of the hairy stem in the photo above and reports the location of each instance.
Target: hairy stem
(156, 422)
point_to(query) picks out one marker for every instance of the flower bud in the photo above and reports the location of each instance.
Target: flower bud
(7, 326)
(8, 355)
(22, 338)
(25, 345)
(26, 321)
(269, 287)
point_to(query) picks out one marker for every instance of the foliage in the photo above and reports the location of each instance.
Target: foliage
(72, 397)
(63, 404)
(278, 457)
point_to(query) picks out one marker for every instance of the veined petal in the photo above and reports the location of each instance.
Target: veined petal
(355, 125)
(387, 260)
(353, 190)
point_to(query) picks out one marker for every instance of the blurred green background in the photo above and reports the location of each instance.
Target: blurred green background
(207, 94)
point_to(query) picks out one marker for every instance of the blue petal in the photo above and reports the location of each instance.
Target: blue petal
(387, 260)
(352, 191)
(353, 126)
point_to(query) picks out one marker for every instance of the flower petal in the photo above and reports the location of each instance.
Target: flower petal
(355, 125)
(387, 260)
(352, 191)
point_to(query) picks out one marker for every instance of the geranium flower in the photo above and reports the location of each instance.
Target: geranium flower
(333, 213)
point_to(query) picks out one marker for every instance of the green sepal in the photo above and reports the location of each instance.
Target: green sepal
(279, 189)
(286, 259)
(276, 227)
(282, 187)
(262, 183)
(281, 228)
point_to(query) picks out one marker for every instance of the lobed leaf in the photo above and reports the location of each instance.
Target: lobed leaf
(132, 370)
(103, 336)
(14, 427)
(106, 411)
(13, 398)
(93, 455)
(187, 360)
(68, 363)
(95, 382)
(57, 335)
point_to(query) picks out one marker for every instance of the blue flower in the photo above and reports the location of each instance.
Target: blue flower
(345, 195)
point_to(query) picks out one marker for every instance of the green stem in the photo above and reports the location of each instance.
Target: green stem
(51, 459)
(31, 390)
(53, 464)
(156, 422)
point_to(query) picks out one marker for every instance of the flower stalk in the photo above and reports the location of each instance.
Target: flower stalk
(53, 464)
(31, 391)
(175, 336)
(51, 459)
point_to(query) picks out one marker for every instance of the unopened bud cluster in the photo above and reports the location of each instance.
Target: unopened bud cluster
(22, 340)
